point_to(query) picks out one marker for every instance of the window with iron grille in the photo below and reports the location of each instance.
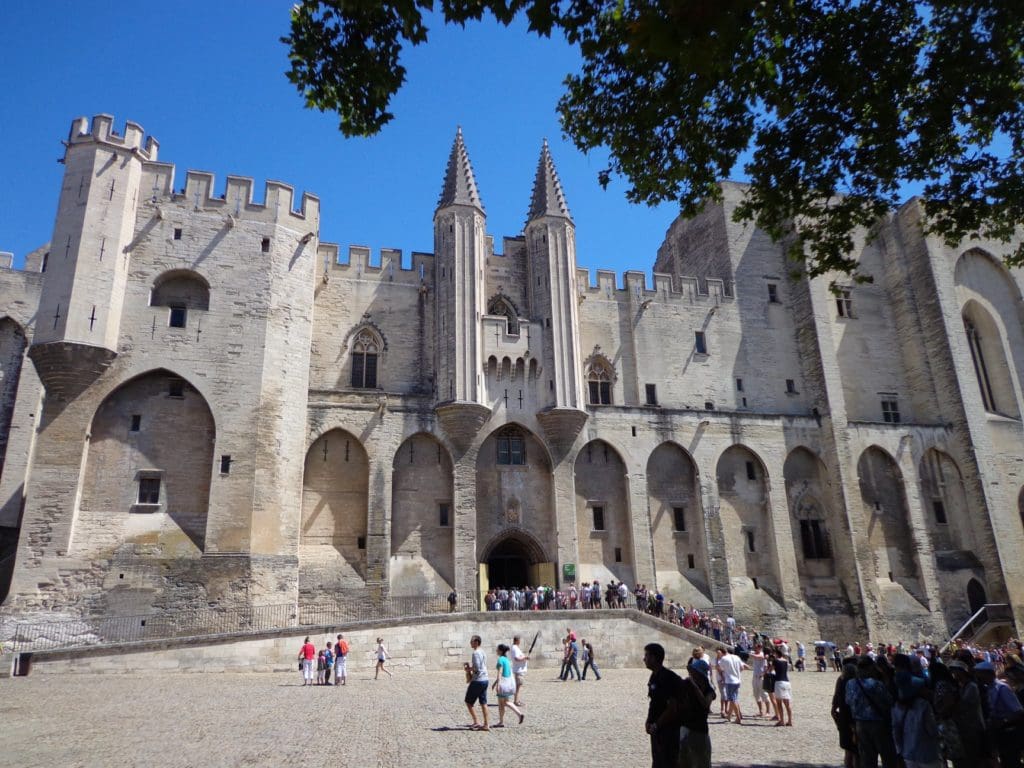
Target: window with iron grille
(511, 447)
(890, 412)
(149, 490)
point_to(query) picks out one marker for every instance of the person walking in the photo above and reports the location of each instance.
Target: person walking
(476, 688)
(588, 661)
(341, 660)
(382, 656)
(730, 666)
(307, 655)
(665, 691)
(453, 600)
(519, 660)
(570, 663)
(505, 687)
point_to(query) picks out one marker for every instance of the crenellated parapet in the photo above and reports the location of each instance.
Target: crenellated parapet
(666, 288)
(237, 200)
(101, 131)
(386, 266)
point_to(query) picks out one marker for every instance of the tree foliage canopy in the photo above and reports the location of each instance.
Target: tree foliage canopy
(833, 106)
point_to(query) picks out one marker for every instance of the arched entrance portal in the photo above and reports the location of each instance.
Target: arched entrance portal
(508, 565)
(514, 559)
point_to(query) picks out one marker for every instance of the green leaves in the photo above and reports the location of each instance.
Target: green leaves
(834, 105)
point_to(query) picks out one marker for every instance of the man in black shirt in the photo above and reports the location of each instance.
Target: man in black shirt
(665, 690)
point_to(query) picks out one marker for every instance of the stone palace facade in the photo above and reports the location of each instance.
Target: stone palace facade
(204, 404)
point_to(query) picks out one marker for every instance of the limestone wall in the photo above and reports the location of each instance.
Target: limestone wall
(618, 637)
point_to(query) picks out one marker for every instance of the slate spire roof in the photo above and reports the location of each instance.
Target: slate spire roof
(459, 182)
(548, 198)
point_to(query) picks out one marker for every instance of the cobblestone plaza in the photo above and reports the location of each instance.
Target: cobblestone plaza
(414, 719)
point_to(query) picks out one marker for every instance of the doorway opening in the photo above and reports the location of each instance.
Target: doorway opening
(975, 595)
(508, 564)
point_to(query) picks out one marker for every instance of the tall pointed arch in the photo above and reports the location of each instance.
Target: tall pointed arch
(148, 467)
(890, 536)
(746, 523)
(422, 518)
(335, 506)
(677, 524)
(603, 514)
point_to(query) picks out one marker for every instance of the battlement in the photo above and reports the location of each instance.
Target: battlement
(666, 287)
(386, 267)
(236, 200)
(101, 131)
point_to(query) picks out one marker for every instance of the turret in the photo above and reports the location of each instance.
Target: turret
(80, 309)
(460, 255)
(551, 243)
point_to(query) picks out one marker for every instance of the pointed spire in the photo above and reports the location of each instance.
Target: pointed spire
(459, 181)
(548, 198)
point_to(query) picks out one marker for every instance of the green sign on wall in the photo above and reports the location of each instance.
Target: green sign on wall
(569, 571)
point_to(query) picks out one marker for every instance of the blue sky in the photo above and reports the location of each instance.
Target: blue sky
(207, 80)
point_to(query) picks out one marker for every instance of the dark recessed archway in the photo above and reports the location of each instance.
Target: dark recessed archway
(976, 595)
(508, 565)
(509, 560)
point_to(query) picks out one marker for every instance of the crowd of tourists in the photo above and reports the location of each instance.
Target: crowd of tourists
(543, 597)
(894, 704)
(916, 707)
(592, 594)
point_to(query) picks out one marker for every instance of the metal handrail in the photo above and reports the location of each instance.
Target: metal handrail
(987, 613)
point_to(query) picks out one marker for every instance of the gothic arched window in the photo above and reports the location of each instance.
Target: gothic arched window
(599, 383)
(813, 532)
(365, 351)
(501, 306)
(980, 369)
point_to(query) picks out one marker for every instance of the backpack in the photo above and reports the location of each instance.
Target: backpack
(343, 647)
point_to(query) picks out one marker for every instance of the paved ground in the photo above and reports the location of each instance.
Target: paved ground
(415, 719)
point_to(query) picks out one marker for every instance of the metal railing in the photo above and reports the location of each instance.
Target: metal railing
(991, 613)
(111, 630)
(345, 609)
(92, 631)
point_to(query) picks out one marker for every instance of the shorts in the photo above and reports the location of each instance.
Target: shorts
(520, 678)
(783, 690)
(477, 691)
(732, 692)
